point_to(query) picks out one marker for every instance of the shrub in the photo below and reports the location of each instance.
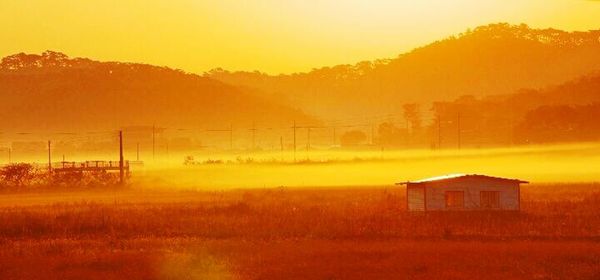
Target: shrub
(24, 176)
(18, 176)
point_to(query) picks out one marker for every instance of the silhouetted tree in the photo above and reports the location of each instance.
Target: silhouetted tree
(560, 123)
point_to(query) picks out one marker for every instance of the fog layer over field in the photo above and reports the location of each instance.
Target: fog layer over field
(558, 163)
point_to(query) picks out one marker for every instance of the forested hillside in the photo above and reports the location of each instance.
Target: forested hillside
(53, 92)
(488, 60)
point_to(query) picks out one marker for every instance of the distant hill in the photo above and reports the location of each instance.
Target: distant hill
(54, 92)
(489, 60)
(563, 113)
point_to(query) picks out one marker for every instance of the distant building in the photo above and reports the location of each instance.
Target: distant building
(463, 192)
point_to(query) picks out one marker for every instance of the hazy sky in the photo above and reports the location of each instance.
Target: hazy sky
(268, 35)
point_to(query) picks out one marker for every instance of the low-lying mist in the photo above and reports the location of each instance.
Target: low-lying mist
(211, 170)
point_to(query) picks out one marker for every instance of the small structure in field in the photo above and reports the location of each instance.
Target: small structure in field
(463, 192)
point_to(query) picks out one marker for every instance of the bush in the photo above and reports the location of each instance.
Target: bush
(18, 176)
(24, 176)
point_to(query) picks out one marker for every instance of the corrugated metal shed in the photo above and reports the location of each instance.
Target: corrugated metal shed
(463, 192)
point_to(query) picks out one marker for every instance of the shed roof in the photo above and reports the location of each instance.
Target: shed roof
(462, 176)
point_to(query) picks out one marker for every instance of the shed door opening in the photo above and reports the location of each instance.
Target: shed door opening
(490, 200)
(455, 199)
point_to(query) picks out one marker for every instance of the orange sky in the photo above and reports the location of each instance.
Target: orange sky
(268, 35)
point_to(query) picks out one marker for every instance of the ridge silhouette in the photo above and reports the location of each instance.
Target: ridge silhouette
(488, 60)
(54, 92)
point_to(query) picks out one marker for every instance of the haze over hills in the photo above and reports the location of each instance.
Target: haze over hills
(54, 92)
(488, 60)
(483, 72)
(553, 114)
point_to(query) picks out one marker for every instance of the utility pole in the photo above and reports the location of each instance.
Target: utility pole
(9, 155)
(137, 154)
(153, 142)
(121, 171)
(281, 145)
(49, 158)
(294, 127)
(281, 142)
(458, 128)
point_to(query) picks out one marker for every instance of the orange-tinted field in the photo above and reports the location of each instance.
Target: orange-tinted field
(333, 233)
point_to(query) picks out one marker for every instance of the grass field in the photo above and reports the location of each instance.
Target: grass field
(295, 233)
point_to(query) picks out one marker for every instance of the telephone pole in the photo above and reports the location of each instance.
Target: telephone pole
(281, 143)
(121, 171)
(137, 154)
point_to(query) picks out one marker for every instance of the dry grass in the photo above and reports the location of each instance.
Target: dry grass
(335, 233)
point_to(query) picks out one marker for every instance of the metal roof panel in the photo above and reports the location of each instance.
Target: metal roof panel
(460, 176)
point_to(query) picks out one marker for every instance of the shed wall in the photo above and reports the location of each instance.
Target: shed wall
(435, 191)
(416, 198)
(472, 188)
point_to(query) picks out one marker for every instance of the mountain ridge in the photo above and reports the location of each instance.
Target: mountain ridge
(58, 92)
(488, 60)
